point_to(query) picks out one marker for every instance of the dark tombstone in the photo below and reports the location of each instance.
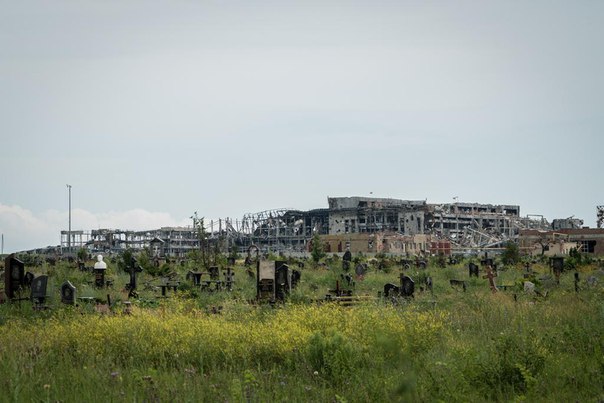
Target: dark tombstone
(391, 290)
(348, 279)
(407, 286)
(68, 293)
(38, 289)
(14, 273)
(405, 264)
(133, 268)
(195, 276)
(421, 264)
(576, 281)
(282, 280)
(429, 283)
(557, 264)
(231, 261)
(214, 273)
(458, 283)
(295, 278)
(487, 262)
(27, 279)
(81, 266)
(346, 259)
(473, 269)
(228, 278)
(360, 269)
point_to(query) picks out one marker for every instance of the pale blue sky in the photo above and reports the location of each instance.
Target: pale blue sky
(153, 110)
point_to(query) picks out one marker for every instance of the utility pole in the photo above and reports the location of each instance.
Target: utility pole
(69, 229)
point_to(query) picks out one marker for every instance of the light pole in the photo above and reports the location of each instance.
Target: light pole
(69, 229)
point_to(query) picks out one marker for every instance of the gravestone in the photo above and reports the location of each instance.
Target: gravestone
(407, 286)
(391, 290)
(231, 261)
(348, 279)
(295, 278)
(346, 259)
(14, 273)
(68, 293)
(282, 280)
(38, 289)
(265, 281)
(229, 278)
(473, 269)
(557, 264)
(27, 279)
(458, 283)
(133, 268)
(214, 273)
(99, 272)
(195, 276)
(360, 269)
(421, 264)
(429, 283)
(529, 287)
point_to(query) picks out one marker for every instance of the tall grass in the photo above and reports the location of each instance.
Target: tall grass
(442, 346)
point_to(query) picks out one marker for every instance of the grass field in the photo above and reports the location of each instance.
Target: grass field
(444, 345)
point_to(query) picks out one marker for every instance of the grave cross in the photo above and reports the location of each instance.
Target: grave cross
(491, 276)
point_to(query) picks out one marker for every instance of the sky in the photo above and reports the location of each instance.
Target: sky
(154, 110)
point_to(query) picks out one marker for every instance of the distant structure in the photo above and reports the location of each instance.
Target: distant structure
(359, 224)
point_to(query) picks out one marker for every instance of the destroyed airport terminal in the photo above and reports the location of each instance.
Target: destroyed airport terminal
(359, 224)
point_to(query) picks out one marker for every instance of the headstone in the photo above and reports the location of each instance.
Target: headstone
(229, 278)
(133, 268)
(346, 259)
(214, 273)
(557, 264)
(68, 293)
(421, 264)
(231, 261)
(265, 281)
(295, 278)
(14, 272)
(27, 279)
(391, 290)
(360, 269)
(195, 276)
(592, 281)
(282, 280)
(38, 289)
(407, 286)
(529, 287)
(473, 269)
(99, 272)
(576, 281)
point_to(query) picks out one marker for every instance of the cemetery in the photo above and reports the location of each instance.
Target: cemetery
(262, 327)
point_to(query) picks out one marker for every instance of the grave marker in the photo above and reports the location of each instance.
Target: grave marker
(99, 272)
(473, 269)
(14, 272)
(68, 293)
(491, 274)
(38, 289)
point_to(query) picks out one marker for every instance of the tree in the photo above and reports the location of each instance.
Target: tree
(511, 254)
(317, 250)
(202, 236)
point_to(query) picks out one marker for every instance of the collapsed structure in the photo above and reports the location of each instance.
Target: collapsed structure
(358, 224)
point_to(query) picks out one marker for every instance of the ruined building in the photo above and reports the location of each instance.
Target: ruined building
(365, 224)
